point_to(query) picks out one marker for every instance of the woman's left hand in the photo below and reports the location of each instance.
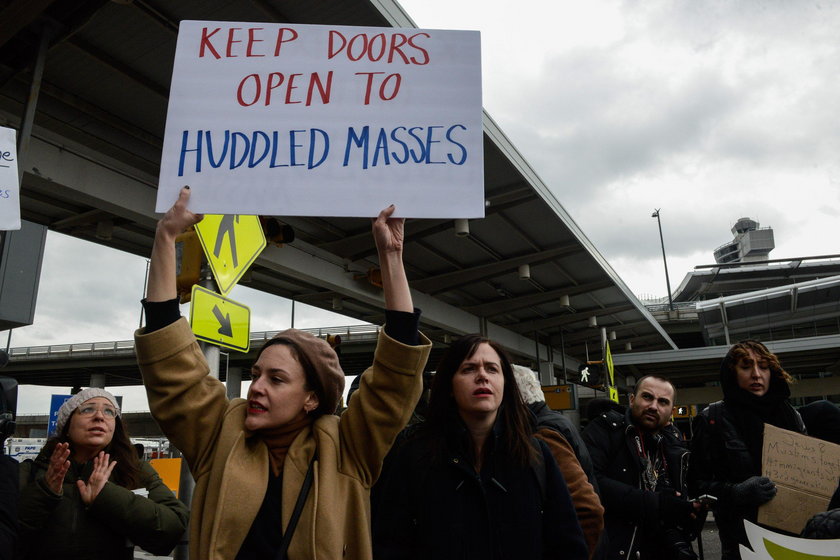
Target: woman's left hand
(101, 473)
(389, 235)
(388, 232)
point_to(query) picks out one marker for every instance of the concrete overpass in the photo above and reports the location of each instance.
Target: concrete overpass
(86, 84)
(69, 365)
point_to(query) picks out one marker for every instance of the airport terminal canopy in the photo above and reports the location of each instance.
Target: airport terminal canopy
(91, 163)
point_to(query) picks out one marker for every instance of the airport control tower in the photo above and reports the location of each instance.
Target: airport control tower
(750, 244)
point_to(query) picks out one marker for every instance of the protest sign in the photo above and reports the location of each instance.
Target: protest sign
(9, 181)
(805, 471)
(314, 120)
(767, 545)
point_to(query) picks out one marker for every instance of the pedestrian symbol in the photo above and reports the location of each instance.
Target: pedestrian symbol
(231, 243)
(219, 320)
(226, 229)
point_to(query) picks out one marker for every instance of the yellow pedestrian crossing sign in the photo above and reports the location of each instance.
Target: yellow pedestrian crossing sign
(232, 243)
(219, 320)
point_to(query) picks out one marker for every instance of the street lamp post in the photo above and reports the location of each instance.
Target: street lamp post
(664, 260)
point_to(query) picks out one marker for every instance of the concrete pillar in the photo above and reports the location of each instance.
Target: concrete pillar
(97, 380)
(234, 383)
(547, 373)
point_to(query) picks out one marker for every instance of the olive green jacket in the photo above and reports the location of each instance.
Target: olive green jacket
(62, 526)
(230, 464)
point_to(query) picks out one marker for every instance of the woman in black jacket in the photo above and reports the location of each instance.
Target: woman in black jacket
(470, 482)
(728, 437)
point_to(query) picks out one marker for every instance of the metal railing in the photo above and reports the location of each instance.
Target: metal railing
(665, 307)
(358, 333)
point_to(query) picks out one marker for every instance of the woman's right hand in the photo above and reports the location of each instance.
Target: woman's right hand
(178, 218)
(59, 463)
(162, 270)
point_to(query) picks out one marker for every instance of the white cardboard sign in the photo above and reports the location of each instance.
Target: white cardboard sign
(314, 120)
(9, 181)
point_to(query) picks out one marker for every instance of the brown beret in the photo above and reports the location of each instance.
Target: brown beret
(324, 363)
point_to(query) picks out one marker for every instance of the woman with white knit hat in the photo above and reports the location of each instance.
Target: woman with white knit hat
(87, 494)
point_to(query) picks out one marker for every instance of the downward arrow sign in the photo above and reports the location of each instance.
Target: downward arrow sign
(224, 320)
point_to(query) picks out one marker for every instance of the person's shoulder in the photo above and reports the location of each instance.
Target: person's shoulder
(148, 474)
(547, 433)
(605, 429)
(611, 420)
(327, 422)
(547, 417)
(417, 442)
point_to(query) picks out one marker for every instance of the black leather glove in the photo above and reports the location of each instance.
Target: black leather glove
(674, 510)
(754, 491)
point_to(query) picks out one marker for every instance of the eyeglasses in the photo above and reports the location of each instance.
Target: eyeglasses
(90, 410)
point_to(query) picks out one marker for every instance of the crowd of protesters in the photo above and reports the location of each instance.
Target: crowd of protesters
(476, 466)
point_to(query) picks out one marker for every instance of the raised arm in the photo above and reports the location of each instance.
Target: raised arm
(162, 268)
(389, 235)
(389, 389)
(187, 404)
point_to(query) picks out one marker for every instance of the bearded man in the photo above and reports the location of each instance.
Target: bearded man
(640, 469)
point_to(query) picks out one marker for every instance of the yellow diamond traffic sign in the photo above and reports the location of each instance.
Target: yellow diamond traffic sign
(232, 243)
(218, 320)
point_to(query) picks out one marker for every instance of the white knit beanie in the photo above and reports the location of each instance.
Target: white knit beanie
(74, 402)
(529, 385)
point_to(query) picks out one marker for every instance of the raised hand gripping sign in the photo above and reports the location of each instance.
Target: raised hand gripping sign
(312, 120)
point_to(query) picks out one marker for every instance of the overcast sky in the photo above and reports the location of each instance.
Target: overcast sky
(709, 110)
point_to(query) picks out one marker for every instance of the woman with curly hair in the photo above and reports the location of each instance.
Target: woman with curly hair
(471, 481)
(89, 496)
(728, 437)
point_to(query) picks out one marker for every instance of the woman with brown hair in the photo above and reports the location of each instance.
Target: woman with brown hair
(471, 482)
(728, 437)
(278, 475)
(88, 495)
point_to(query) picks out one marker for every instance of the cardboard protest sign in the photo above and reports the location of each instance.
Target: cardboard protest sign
(314, 120)
(805, 470)
(767, 545)
(9, 181)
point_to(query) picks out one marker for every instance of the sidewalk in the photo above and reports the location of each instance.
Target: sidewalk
(140, 554)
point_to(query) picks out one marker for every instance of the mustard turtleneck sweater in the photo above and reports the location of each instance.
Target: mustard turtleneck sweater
(278, 440)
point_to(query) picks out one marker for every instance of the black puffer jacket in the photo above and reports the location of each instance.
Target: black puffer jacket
(726, 450)
(444, 509)
(632, 519)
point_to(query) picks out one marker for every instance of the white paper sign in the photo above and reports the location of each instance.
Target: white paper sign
(9, 181)
(314, 120)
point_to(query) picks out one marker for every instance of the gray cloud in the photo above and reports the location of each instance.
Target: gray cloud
(87, 293)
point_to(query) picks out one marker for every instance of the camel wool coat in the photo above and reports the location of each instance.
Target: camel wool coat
(230, 464)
